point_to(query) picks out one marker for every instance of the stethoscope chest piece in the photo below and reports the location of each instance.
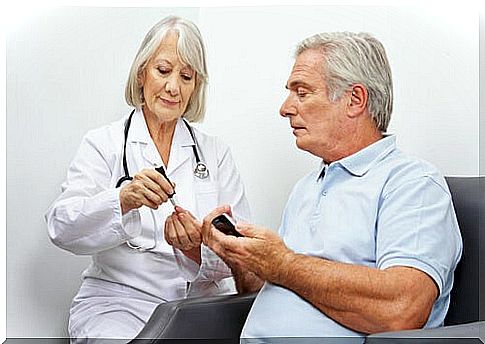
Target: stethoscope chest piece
(201, 170)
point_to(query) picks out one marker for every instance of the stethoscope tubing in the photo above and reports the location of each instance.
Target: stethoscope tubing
(200, 171)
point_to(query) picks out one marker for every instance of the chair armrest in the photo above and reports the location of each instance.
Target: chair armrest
(215, 317)
(465, 333)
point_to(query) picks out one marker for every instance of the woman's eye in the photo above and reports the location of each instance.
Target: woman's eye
(186, 77)
(163, 71)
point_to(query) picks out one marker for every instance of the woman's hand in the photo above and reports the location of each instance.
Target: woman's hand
(148, 188)
(183, 231)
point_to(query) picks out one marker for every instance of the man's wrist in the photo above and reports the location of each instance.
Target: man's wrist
(246, 281)
(285, 267)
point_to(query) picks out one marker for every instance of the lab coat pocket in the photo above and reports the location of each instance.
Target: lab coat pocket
(206, 197)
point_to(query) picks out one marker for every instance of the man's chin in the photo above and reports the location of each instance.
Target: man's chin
(300, 143)
(305, 146)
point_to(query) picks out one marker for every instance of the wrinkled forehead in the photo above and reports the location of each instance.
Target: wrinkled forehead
(308, 68)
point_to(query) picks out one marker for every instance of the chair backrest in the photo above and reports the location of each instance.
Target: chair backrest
(468, 194)
(218, 318)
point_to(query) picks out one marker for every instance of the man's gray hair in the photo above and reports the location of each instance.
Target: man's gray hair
(190, 48)
(350, 58)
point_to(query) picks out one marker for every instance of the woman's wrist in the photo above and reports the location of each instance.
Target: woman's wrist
(194, 254)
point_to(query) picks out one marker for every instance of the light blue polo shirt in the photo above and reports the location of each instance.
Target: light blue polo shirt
(378, 208)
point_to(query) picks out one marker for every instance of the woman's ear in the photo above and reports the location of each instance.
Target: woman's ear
(358, 100)
(140, 78)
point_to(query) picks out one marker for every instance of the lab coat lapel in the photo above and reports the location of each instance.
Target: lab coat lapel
(180, 167)
(181, 150)
(150, 153)
(139, 134)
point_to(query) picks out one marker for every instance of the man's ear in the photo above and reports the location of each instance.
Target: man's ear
(357, 101)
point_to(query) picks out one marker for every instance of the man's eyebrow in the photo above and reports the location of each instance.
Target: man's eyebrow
(296, 83)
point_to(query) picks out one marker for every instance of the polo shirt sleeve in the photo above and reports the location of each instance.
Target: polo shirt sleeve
(417, 227)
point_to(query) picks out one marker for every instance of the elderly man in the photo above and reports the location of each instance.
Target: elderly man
(369, 241)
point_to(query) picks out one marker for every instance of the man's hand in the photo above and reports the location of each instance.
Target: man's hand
(260, 250)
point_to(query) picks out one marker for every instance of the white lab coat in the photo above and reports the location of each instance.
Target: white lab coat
(86, 218)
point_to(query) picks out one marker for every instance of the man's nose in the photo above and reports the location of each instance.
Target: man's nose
(287, 108)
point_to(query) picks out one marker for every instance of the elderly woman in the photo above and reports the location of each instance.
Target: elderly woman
(114, 204)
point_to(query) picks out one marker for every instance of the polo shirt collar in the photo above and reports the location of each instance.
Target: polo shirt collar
(360, 162)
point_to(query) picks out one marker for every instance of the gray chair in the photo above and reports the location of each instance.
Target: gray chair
(469, 201)
(220, 318)
(464, 322)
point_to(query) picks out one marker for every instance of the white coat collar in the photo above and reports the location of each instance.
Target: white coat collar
(182, 142)
(139, 131)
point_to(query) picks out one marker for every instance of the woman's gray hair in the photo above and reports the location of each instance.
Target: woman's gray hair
(190, 48)
(351, 58)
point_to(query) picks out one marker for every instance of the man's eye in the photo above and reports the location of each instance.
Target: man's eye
(301, 94)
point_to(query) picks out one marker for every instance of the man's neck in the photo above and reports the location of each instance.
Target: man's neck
(353, 143)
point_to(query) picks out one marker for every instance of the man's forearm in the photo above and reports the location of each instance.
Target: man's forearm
(365, 299)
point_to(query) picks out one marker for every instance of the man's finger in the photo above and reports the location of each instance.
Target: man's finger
(207, 222)
(248, 230)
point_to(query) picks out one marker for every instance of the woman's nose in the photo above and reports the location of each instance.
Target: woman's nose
(172, 86)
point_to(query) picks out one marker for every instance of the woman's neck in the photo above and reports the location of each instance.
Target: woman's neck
(161, 133)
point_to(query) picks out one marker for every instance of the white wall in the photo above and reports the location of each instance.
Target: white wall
(66, 70)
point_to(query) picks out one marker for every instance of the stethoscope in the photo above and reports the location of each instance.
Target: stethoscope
(201, 171)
